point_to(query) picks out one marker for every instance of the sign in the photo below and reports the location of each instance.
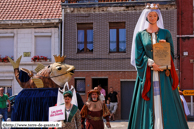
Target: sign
(188, 92)
(57, 113)
(161, 55)
(27, 54)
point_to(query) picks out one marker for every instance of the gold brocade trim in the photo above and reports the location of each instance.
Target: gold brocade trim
(94, 118)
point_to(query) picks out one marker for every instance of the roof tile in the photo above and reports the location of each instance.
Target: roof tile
(30, 9)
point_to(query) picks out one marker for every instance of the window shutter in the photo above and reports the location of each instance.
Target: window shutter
(7, 46)
(43, 46)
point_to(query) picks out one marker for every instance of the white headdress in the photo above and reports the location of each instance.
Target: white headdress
(142, 24)
(60, 97)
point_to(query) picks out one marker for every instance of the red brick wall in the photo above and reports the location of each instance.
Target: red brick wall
(186, 68)
(113, 81)
(185, 43)
(185, 17)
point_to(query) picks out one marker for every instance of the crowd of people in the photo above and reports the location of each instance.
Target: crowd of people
(93, 111)
(83, 116)
(91, 114)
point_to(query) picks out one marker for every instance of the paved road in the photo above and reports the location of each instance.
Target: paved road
(123, 124)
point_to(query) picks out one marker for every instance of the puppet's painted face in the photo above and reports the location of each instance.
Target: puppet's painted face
(152, 17)
(61, 73)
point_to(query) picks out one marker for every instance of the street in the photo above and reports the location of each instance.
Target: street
(122, 124)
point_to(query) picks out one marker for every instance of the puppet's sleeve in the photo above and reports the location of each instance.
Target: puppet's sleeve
(143, 70)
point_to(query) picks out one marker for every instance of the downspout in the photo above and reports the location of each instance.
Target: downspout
(63, 27)
(180, 17)
(60, 43)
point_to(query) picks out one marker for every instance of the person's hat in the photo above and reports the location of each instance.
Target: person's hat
(93, 91)
(68, 92)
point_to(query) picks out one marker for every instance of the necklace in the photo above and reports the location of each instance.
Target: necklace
(68, 110)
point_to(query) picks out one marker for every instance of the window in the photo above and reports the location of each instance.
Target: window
(6, 46)
(117, 37)
(43, 46)
(80, 85)
(84, 37)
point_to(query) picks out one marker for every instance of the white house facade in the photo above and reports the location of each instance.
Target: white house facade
(17, 42)
(28, 29)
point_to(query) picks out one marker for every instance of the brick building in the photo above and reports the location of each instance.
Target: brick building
(27, 28)
(97, 41)
(185, 39)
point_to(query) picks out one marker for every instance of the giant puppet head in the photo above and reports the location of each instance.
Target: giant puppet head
(54, 75)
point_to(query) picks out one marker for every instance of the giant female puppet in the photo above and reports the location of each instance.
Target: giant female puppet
(156, 103)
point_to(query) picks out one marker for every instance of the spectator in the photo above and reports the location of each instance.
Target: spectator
(7, 94)
(108, 104)
(184, 103)
(102, 91)
(101, 95)
(3, 106)
(113, 97)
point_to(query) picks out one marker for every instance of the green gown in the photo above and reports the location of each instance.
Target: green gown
(142, 112)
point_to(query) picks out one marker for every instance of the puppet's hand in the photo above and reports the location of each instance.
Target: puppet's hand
(162, 41)
(156, 67)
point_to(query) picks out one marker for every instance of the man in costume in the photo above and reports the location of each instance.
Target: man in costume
(101, 95)
(94, 110)
(156, 103)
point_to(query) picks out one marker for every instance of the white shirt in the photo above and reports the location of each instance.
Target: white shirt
(102, 97)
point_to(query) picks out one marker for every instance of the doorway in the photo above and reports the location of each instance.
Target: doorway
(103, 82)
(127, 88)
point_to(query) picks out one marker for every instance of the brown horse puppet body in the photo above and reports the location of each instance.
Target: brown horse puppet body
(53, 76)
